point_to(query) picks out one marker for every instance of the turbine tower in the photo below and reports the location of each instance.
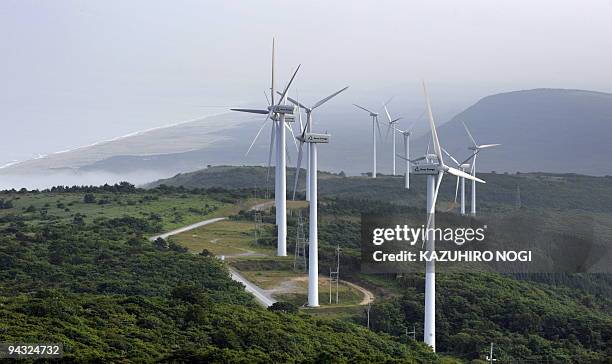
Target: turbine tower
(406, 134)
(309, 125)
(312, 139)
(433, 166)
(280, 114)
(375, 125)
(475, 148)
(391, 125)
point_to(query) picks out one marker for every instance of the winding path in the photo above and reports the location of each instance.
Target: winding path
(187, 228)
(260, 295)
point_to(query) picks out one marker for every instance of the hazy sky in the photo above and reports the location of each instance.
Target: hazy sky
(76, 72)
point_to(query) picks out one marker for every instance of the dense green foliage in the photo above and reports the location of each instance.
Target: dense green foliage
(526, 321)
(108, 294)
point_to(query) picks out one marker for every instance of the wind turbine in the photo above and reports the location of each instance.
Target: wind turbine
(312, 139)
(406, 134)
(475, 148)
(391, 125)
(434, 167)
(375, 125)
(309, 124)
(463, 166)
(279, 114)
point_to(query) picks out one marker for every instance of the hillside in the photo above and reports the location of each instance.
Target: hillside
(88, 278)
(542, 130)
(537, 190)
(547, 130)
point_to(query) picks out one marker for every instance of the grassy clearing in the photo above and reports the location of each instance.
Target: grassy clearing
(292, 287)
(347, 296)
(228, 237)
(272, 279)
(175, 210)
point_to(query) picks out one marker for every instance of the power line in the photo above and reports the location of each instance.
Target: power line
(299, 259)
(334, 276)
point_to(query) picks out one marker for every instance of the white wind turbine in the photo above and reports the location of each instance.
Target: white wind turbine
(475, 148)
(279, 114)
(312, 139)
(434, 167)
(309, 124)
(375, 125)
(463, 166)
(392, 126)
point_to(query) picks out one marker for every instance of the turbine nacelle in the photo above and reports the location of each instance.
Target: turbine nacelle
(318, 138)
(282, 109)
(426, 169)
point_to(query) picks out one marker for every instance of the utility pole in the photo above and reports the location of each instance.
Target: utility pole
(411, 333)
(258, 223)
(518, 197)
(489, 357)
(367, 310)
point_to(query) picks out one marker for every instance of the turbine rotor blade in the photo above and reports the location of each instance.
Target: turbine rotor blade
(267, 98)
(295, 102)
(387, 112)
(469, 134)
(470, 157)
(272, 78)
(322, 101)
(289, 84)
(435, 197)
(253, 111)
(363, 108)
(434, 133)
(272, 135)
(484, 146)
(297, 169)
(451, 157)
(408, 160)
(292, 135)
(258, 132)
(300, 119)
(459, 173)
(457, 189)
(389, 101)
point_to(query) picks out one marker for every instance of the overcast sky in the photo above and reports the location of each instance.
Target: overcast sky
(76, 72)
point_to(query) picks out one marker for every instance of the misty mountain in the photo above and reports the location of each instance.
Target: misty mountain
(549, 130)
